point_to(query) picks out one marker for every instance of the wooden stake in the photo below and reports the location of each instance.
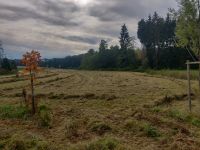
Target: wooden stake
(189, 85)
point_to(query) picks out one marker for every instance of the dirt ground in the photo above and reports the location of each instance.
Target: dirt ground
(129, 110)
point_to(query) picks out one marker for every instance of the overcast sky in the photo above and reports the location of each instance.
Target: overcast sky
(58, 28)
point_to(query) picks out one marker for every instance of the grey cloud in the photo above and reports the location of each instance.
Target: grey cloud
(89, 40)
(127, 9)
(51, 14)
(92, 40)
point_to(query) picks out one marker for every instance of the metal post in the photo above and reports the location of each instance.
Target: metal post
(189, 85)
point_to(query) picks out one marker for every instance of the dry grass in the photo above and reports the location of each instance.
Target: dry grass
(102, 110)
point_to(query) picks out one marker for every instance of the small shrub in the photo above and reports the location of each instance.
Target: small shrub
(151, 131)
(100, 128)
(103, 144)
(13, 112)
(44, 116)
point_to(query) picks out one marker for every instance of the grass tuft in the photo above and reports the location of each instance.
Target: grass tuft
(44, 116)
(196, 122)
(71, 129)
(132, 126)
(151, 131)
(13, 112)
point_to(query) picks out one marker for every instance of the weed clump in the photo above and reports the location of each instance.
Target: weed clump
(178, 115)
(195, 122)
(151, 131)
(24, 142)
(13, 112)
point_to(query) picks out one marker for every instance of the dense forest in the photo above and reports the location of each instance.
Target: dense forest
(159, 49)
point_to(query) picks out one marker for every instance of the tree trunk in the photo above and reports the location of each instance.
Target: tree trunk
(33, 95)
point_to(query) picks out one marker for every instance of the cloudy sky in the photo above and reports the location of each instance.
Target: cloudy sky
(58, 28)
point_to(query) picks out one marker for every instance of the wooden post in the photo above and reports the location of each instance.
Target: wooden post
(189, 85)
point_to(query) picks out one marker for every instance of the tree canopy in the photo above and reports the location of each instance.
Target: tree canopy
(188, 25)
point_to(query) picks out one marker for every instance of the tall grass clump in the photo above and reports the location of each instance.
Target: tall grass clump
(45, 116)
(13, 112)
(178, 115)
(151, 131)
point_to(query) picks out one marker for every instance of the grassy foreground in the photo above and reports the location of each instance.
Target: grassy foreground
(83, 110)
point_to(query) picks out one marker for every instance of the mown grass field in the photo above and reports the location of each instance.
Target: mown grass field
(92, 110)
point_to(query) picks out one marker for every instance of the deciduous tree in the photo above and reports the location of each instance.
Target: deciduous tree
(31, 61)
(188, 26)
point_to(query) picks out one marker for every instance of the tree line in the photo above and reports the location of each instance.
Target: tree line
(113, 57)
(159, 49)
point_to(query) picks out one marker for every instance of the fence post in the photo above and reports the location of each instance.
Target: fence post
(189, 85)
